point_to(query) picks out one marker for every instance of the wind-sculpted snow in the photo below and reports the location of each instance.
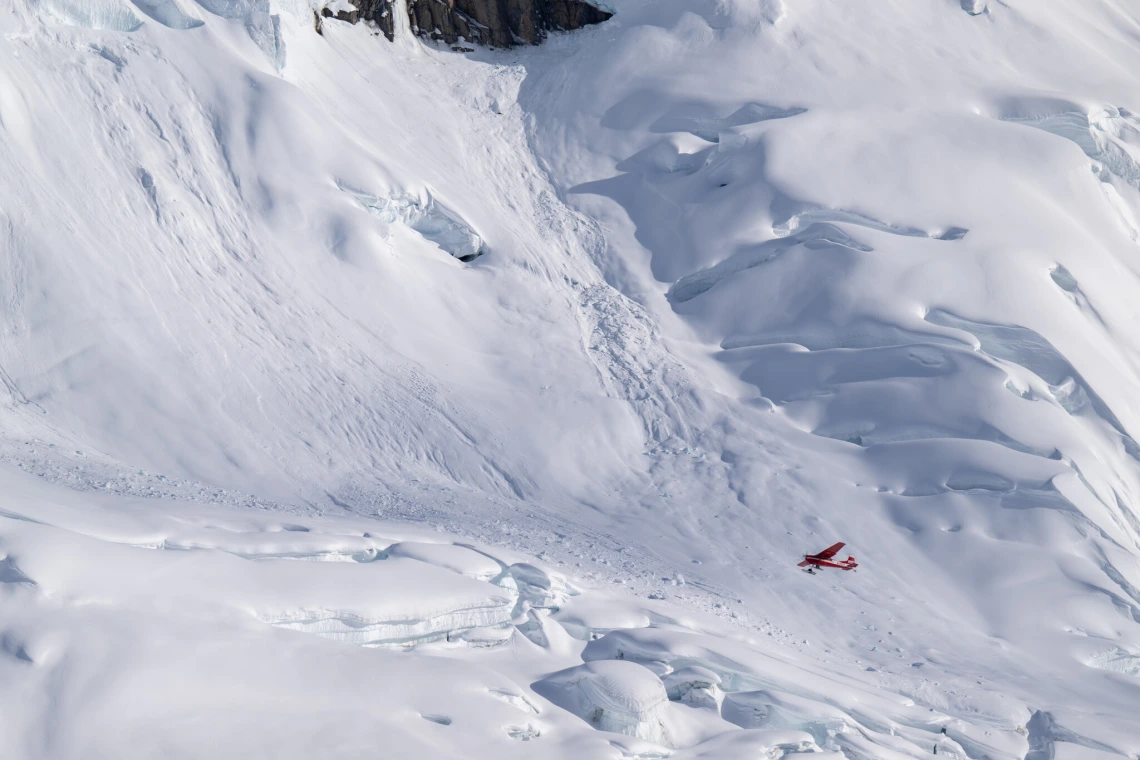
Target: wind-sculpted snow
(111, 15)
(451, 619)
(387, 603)
(762, 277)
(761, 694)
(613, 696)
(814, 237)
(774, 709)
(709, 128)
(234, 8)
(1108, 136)
(660, 683)
(261, 24)
(954, 341)
(456, 558)
(1044, 734)
(538, 588)
(428, 218)
(1027, 349)
(1117, 661)
(823, 215)
(168, 13)
(975, 7)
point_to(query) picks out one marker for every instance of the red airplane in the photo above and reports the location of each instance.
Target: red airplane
(825, 559)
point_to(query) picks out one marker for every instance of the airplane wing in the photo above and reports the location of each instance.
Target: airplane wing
(830, 551)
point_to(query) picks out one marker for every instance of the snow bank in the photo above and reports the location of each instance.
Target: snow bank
(1117, 661)
(613, 696)
(695, 685)
(409, 606)
(426, 217)
(540, 588)
(780, 710)
(280, 545)
(110, 15)
(383, 603)
(597, 614)
(169, 13)
(457, 558)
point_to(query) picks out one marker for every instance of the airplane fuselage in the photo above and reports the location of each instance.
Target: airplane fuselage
(826, 558)
(842, 564)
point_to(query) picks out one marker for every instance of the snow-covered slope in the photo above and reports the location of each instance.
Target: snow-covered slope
(668, 302)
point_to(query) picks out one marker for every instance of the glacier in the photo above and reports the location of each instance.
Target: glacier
(353, 388)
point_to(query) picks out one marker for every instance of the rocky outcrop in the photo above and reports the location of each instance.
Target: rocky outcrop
(498, 23)
(380, 12)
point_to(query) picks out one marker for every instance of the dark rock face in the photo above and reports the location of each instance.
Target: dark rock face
(380, 12)
(350, 16)
(564, 15)
(498, 23)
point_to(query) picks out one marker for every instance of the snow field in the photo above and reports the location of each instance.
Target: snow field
(173, 595)
(755, 277)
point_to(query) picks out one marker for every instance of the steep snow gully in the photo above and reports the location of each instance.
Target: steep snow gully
(361, 395)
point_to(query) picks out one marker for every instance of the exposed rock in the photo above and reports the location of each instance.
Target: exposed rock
(341, 10)
(380, 13)
(498, 23)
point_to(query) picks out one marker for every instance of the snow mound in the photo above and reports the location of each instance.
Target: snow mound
(974, 7)
(695, 685)
(456, 558)
(767, 744)
(110, 15)
(515, 699)
(427, 217)
(235, 8)
(398, 602)
(392, 603)
(761, 692)
(1109, 136)
(780, 710)
(1117, 661)
(169, 13)
(710, 128)
(261, 24)
(1026, 348)
(805, 219)
(595, 615)
(540, 588)
(621, 697)
(286, 544)
(478, 622)
(815, 235)
(523, 733)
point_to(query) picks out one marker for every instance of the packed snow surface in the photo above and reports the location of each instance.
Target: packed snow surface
(364, 396)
